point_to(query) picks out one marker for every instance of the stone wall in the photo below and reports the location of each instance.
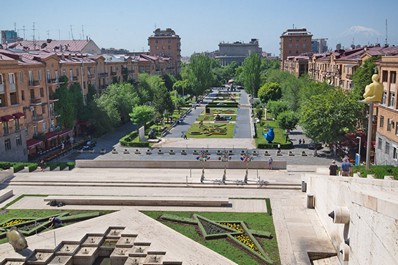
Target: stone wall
(177, 164)
(372, 228)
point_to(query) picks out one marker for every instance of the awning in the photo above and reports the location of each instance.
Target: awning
(18, 115)
(6, 118)
(65, 131)
(33, 142)
(51, 135)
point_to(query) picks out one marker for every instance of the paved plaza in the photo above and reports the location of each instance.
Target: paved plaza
(129, 191)
(297, 228)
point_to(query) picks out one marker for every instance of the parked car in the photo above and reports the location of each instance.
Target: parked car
(315, 146)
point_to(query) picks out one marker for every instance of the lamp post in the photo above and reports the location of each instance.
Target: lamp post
(359, 150)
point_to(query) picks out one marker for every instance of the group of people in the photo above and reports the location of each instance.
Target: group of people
(301, 141)
(346, 168)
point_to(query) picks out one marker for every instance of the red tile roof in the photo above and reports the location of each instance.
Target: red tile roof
(52, 45)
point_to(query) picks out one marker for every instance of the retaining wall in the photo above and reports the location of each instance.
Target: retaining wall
(177, 164)
(373, 216)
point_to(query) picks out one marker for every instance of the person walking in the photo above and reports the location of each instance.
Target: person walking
(279, 147)
(346, 167)
(299, 141)
(333, 169)
(270, 161)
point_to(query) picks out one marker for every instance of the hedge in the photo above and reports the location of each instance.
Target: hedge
(275, 146)
(378, 171)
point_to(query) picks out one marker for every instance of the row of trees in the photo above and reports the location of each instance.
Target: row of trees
(326, 113)
(154, 97)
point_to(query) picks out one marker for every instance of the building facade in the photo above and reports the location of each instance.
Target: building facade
(294, 42)
(386, 152)
(29, 78)
(166, 44)
(237, 51)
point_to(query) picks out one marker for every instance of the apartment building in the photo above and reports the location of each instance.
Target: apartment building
(28, 81)
(386, 152)
(297, 65)
(294, 42)
(12, 117)
(337, 68)
(166, 44)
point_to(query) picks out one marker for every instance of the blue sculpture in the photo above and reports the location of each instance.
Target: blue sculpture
(270, 135)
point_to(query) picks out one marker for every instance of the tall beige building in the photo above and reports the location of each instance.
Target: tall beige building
(293, 43)
(166, 43)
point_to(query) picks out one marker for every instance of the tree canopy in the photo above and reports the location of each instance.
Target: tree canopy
(141, 115)
(250, 74)
(328, 116)
(270, 91)
(288, 120)
(199, 74)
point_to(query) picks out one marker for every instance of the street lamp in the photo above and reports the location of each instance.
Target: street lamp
(359, 150)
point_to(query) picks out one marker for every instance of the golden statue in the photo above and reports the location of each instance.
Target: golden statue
(374, 91)
(16, 239)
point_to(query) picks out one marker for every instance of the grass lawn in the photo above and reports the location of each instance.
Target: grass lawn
(257, 221)
(7, 214)
(195, 128)
(280, 134)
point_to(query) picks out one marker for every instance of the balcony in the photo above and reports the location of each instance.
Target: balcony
(52, 81)
(90, 76)
(34, 83)
(38, 117)
(52, 97)
(103, 74)
(35, 101)
(113, 73)
(349, 76)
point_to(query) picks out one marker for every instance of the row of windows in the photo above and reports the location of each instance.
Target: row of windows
(390, 124)
(11, 78)
(393, 76)
(291, 46)
(387, 148)
(7, 143)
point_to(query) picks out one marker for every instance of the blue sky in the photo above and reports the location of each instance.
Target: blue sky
(202, 24)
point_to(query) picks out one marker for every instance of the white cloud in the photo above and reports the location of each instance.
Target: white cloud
(361, 30)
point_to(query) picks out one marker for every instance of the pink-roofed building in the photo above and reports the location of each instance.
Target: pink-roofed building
(296, 65)
(80, 46)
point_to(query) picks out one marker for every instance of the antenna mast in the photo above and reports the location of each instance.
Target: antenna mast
(83, 32)
(386, 34)
(71, 32)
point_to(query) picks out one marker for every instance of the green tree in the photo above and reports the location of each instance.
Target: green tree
(117, 102)
(169, 81)
(224, 73)
(363, 76)
(64, 107)
(270, 91)
(276, 107)
(141, 115)
(328, 116)
(251, 68)
(161, 98)
(288, 120)
(182, 87)
(200, 76)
